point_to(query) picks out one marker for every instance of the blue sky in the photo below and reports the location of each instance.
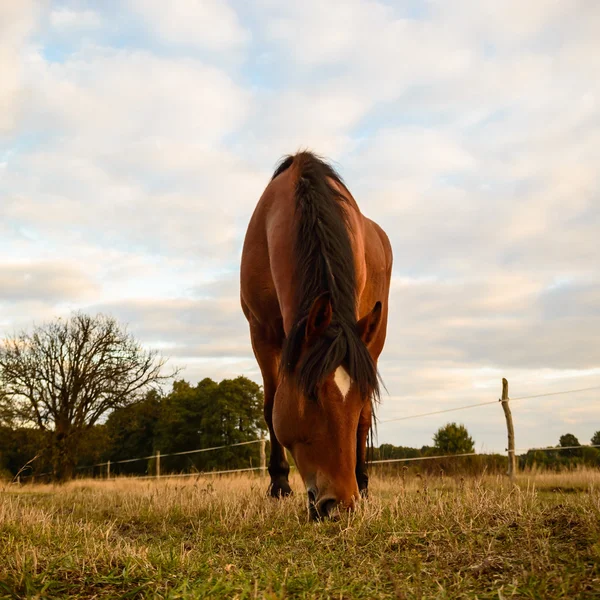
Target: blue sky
(136, 138)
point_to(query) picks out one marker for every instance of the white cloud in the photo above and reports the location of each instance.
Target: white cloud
(365, 37)
(134, 155)
(46, 281)
(17, 22)
(290, 120)
(412, 152)
(509, 22)
(64, 18)
(107, 96)
(211, 24)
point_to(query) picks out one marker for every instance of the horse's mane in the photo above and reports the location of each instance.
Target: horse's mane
(324, 262)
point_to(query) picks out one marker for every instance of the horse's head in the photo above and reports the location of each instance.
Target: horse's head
(321, 400)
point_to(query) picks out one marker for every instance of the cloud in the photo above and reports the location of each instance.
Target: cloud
(493, 22)
(45, 282)
(203, 214)
(130, 162)
(208, 322)
(64, 18)
(204, 333)
(101, 96)
(367, 37)
(17, 22)
(504, 321)
(210, 24)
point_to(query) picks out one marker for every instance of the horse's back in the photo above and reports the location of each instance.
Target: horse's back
(267, 269)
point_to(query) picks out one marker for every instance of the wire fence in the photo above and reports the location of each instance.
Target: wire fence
(488, 403)
(169, 454)
(156, 457)
(496, 453)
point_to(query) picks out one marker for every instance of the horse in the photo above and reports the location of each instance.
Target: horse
(314, 285)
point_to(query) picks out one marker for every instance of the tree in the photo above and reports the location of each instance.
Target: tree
(208, 415)
(132, 431)
(595, 441)
(65, 375)
(190, 417)
(18, 447)
(93, 449)
(390, 451)
(567, 441)
(453, 439)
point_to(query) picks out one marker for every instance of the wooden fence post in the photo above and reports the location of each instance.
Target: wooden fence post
(263, 456)
(512, 459)
(108, 469)
(158, 464)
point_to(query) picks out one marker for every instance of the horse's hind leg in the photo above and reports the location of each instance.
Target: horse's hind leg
(267, 355)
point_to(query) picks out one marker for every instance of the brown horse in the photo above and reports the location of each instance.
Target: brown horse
(315, 279)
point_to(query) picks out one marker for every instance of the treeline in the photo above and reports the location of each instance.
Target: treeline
(566, 455)
(452, 439)
(213, 414)
(188, 418)
(443, 463)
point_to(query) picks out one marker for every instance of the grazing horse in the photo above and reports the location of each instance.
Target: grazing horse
(315, 278)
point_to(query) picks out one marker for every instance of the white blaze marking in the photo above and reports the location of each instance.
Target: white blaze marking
(343, 381)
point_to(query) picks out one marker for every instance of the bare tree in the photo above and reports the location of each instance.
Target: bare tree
(66, 374)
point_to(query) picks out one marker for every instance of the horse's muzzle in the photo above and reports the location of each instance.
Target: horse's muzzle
(322, 509)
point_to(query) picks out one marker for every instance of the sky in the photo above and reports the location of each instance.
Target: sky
(136, 138)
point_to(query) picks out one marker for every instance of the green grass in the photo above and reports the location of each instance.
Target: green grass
(425, 538)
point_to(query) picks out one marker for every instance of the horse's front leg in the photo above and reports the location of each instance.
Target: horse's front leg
(279, 468)
(267, 355)
(362, 435)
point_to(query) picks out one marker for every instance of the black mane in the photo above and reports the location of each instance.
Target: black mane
(324, 263)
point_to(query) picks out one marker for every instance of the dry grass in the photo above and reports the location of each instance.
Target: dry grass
(223, 538)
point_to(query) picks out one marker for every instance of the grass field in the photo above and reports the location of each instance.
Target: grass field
(423, 538)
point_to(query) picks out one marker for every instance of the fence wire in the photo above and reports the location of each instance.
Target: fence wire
(447, 410)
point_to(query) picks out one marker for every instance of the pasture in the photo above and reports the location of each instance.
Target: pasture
(223, 538)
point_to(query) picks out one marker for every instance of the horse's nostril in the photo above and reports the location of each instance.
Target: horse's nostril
(326, 506)
(313, 513)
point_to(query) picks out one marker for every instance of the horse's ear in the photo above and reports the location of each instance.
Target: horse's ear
(368, 326)
(319, 317)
